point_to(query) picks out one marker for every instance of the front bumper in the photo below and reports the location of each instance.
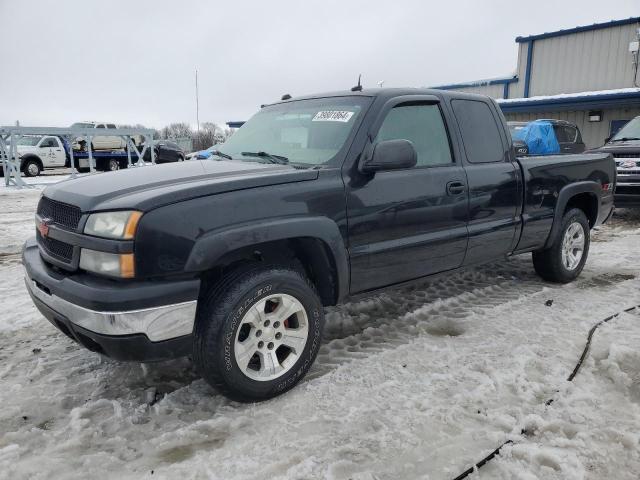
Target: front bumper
(627, 192)
(139, 321)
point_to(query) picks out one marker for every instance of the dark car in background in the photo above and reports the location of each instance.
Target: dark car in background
(625, 148)
(567, 134)
(166, 151)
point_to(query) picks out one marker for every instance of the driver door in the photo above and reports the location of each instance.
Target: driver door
(51, 152)
(406, 224)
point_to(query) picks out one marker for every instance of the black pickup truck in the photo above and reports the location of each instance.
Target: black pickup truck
(313, 200)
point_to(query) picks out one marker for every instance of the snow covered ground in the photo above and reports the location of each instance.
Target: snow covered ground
(416, 383)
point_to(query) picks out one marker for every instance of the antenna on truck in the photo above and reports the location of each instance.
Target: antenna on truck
(357, 88)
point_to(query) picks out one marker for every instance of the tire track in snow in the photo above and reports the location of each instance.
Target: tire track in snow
(357, 329)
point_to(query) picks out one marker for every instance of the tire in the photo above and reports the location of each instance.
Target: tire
(31, 168)
(554, 265)
(113, 165)
(227, 320)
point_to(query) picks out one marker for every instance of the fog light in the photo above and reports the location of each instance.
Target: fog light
(111, 264)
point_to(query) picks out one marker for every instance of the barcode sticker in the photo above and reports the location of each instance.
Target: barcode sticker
(333, 116)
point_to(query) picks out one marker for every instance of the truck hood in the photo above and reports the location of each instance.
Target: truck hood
(26, 149)
(632, 146)
(146, 188)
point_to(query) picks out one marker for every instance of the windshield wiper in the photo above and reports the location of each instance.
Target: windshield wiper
(273, 158)
(220, 154)
(625, 139)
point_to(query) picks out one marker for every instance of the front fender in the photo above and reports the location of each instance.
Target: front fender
(212, 246)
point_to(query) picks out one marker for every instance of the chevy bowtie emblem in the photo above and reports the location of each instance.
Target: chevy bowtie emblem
(43, 227)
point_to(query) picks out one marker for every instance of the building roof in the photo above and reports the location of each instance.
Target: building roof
(569, 101)
(585, 28)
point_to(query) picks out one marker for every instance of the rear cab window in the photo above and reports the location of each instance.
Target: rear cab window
(480, 131)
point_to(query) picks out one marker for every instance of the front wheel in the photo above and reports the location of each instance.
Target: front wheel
(565, 259)
(32, 168)
(258, 332)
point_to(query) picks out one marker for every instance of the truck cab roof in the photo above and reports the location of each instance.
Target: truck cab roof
(383, 93)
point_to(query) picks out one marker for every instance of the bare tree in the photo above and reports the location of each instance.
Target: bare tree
(177, 130)
(210, 134)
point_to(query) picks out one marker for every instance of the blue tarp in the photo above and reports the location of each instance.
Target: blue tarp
(539, 137)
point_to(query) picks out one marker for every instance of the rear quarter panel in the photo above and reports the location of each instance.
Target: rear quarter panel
(544, 179)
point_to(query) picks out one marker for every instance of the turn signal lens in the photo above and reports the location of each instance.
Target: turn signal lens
(127, 265)
(132, 225)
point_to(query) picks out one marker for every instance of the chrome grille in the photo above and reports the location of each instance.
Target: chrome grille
(62, 214)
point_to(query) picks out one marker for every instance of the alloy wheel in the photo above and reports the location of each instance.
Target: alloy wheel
(573, 246)
(271, 337)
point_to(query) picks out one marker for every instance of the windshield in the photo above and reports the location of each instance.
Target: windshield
(308, 132)
(630, 130)
(82, 125)
(28, 141)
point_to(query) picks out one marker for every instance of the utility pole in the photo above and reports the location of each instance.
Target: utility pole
(197, 106)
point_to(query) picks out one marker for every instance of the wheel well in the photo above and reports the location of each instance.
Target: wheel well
(588, 203)
(308, 255)
(29, 158)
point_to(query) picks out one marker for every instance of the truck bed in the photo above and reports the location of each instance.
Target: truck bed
(544, 179)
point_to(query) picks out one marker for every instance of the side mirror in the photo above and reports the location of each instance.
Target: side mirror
(390, 155)
(606, 140)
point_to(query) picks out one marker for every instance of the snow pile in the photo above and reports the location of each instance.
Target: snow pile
(415, 383)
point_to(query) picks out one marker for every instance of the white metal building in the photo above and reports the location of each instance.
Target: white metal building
(587, 75)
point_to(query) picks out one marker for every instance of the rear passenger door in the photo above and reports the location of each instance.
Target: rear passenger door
(569, 139)
(405, 224)
(100, 142)
(493, 177)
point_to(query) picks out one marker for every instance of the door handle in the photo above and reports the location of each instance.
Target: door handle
(456, 188)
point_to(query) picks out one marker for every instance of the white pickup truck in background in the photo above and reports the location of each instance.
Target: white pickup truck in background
(100, 142)
(39, 152)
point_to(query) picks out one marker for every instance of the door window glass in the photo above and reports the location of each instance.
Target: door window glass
(49, 143)
(423, 126)
(570, 133)
(110, 125)
(480, 132)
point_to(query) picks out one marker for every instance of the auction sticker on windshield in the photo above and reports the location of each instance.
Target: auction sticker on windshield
(333, 116)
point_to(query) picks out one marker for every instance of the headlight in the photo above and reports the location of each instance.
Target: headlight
(119, 225)
(111, 264)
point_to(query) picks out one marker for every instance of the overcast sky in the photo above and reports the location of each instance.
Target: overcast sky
(134, 61)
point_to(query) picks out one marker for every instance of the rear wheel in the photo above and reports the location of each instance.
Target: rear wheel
(258, 332)
(31, 168)
(565, 259)
(113, 165)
